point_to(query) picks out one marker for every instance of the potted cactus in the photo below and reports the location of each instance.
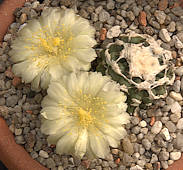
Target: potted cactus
(142, 81)
(115, 64)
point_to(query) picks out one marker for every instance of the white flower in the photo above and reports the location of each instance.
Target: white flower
(83, 114)
(55, 44)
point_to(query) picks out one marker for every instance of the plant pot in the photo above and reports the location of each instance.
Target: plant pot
(12, 154)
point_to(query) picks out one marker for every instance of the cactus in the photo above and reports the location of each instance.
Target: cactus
(141, 67)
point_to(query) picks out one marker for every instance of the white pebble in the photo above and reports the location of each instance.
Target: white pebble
(165, 133)
(136, 167)
(175, 96)
(178, 43)
(43, 154)
(175, 107)
(156, 128)
(170, 162)
(164, 35)
(175, 155)
(114, 32)
(143, 123)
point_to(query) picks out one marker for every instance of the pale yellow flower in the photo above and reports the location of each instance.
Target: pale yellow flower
(56, 43)
(84, 113)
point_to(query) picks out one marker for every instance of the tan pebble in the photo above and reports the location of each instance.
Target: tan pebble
(152, 121)
(178, 62)
(103, 34)
(163, 5)
(23, 18)
(174, 54)
(177, 78)
(9, 73)
(117, 161)
(175, 96)
(142, 18)
(16, 81)
(86, 163)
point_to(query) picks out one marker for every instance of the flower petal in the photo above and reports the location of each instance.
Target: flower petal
(86, 55)
(52, 113)
(45, 79)
(112, 142)
(47, 101)
(83, 41)
(58, 93)
(53, 139)
(82, 27)
(81, 143)
(29, 71)
(66, 143)
(115, 132)
(120, 119)
(51, 127)
(99, 144)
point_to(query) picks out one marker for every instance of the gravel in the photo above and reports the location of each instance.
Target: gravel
(164, 35)
(113, 32)
(175, 155)
(148, 145)
(156, 128)
(180, 124)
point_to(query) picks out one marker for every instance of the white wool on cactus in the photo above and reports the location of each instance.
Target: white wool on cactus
(56, 43)
(84, 114)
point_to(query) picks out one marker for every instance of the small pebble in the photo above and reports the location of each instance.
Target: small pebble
(165, 134)
(178, 43)
(175, 117)
(142, 18)
(175, 107)
(23, 18)
(179, 71)
(163, 4)
(179, 141)
(164, 35)
(176, 86)
(163, 156)
(18, 131)
(160, 16)
(110, 4)
(127, 146)
(136, 167)
(156, 128)
(43, 154)
(146, 144)
(164, 164)
(113, 32)
(154, 158)
(130, 15)
(142, 123)
(171, 126)
(12, 100)
(103, 16)
(171, 26)
(176, 96)
(175, 156)
(180, 124)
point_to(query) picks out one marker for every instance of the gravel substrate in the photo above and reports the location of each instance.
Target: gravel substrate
(155, 137)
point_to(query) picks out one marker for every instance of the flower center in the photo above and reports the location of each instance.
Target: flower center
(87, 110)
(91, 109)
(85, 118)
(51, 48)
